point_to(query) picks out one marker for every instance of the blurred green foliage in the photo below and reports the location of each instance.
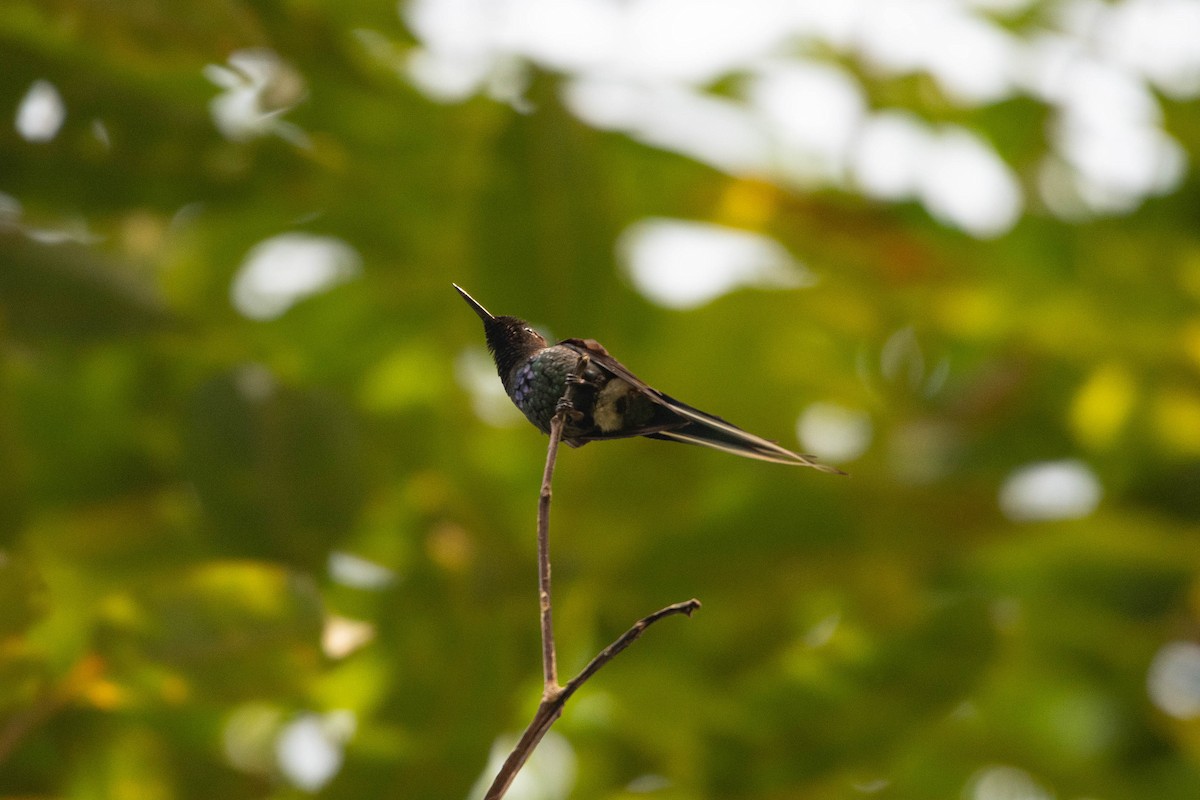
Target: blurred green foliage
(174, 476)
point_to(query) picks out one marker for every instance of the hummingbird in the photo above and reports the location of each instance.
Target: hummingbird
(602, 398)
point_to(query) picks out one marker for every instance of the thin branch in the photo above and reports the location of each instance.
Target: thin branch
(565, 407)
(554, 697)
(549, 659)
(550, 709)
(687, 608)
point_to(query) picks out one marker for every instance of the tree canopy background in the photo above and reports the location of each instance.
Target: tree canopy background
(266, 525)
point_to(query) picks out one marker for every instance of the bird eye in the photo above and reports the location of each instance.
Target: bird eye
(530, 330)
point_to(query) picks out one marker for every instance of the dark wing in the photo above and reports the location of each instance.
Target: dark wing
(686, 424)
(662, 416)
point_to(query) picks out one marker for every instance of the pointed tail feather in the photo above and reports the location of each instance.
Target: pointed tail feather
(733, 440)
(708, 430)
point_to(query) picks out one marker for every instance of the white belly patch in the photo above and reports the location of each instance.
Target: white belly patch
(612, 402)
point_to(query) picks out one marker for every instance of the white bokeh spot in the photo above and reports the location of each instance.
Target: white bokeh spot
(282, 270)
(888, 154)
(684, 264)
(833, 432)
(41, 112)
(311, 748)
(257, 88)
(358, 572)
(1002, 782)
(1173, 680)
(1050, 490)
(964, 183)
(548, 775)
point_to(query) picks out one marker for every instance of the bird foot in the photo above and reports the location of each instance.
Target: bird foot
(575, 378)
(567, 409)
(578, 375)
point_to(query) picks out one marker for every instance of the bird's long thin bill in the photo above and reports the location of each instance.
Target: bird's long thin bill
(483, 313)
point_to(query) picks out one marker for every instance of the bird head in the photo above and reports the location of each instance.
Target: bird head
(510, 340)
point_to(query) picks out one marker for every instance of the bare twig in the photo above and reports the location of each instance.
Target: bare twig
(550, 709)
(549, 659)
(687, 608)
(554, 697)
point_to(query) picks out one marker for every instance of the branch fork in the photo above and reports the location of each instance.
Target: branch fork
(554, 695)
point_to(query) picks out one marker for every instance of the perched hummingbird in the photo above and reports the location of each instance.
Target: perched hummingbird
(609, 401)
